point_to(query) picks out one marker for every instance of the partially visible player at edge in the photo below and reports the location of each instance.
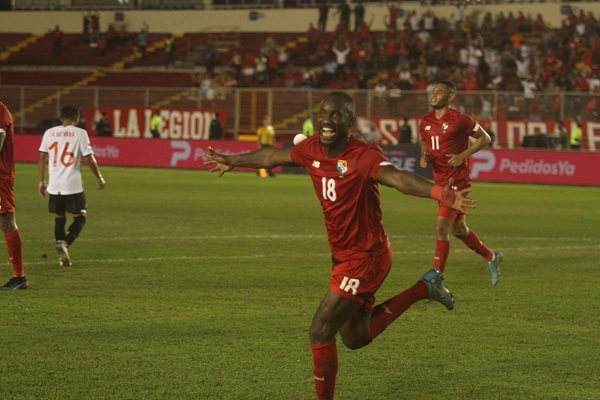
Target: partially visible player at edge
(62, 150)
(7, 202)
(445, 134)
(346, 173)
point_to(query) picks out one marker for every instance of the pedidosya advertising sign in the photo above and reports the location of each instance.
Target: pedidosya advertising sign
(534, 166)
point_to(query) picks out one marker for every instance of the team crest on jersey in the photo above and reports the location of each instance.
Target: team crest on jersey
(342, 167)
(444, 126)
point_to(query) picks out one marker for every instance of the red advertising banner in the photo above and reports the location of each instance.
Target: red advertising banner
(508, 134)
(489, 165)
(188, 154)
(134, 122)
(536, 166)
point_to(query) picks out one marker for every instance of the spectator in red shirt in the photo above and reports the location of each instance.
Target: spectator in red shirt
(95, 26)
(57, 41)
(312, 38)
(112, 35)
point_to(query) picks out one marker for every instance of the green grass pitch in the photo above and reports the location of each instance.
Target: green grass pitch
(189, 286)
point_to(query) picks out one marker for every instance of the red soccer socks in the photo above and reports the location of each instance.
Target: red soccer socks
(472, 241)
(13, 242)
(325, 362)
(442, 249)
(387, 312)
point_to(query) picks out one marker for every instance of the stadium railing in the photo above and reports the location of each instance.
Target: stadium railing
(229, 4)
(245, 107)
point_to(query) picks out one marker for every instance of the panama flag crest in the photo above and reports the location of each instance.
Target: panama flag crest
(342, 167)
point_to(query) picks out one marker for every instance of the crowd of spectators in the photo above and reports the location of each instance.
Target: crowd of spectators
(499, 51)
(508, 51)
(103, 42)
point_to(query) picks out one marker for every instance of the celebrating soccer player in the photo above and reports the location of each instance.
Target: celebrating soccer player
(346, 173)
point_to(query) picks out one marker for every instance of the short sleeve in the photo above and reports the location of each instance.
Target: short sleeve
(298, 153)
(374, 160)
(470, 125)
(85, 145)
(44, 144)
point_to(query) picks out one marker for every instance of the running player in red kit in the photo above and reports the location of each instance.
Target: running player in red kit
(445, 143)
(346, 173)
(8, 222)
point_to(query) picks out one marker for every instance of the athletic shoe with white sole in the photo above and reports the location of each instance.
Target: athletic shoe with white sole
(437, 291)
(63, 254)
(494, 267)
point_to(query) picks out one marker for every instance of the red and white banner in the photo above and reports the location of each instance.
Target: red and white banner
(508, 134)
(188, 154)
(536, 166)
(134, 122)
(489, 165)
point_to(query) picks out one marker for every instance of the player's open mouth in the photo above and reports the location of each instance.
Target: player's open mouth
(327, 133)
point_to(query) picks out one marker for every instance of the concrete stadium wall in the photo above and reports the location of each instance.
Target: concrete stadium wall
(268, 20)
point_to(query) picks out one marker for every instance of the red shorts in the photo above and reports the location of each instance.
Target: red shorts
(450, 213)
(7, 196)
(358, 280)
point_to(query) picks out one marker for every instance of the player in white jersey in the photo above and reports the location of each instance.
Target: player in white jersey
(62, 150)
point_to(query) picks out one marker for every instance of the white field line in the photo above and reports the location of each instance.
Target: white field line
(319, 237)
(461, 249)
(53, 256)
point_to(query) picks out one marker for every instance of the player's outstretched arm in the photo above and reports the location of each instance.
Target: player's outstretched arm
(415, 185)
(267, 157)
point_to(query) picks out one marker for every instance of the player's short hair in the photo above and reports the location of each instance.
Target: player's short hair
(348, 101)
(69, 112)
(449, 84)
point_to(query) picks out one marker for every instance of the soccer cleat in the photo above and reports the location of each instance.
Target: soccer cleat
(494, 267)
(437, 291)
(63, 254)
(16, 283)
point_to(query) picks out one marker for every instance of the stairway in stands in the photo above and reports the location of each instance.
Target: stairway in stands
(91, 78)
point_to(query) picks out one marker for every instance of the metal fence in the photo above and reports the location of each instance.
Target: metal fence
(171, 4)
(245, 107)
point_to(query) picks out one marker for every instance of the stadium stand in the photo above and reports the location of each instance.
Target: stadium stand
(563, 58)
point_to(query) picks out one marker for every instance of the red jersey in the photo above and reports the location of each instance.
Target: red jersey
(448, 135)
(349, 193)
(7, 162)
